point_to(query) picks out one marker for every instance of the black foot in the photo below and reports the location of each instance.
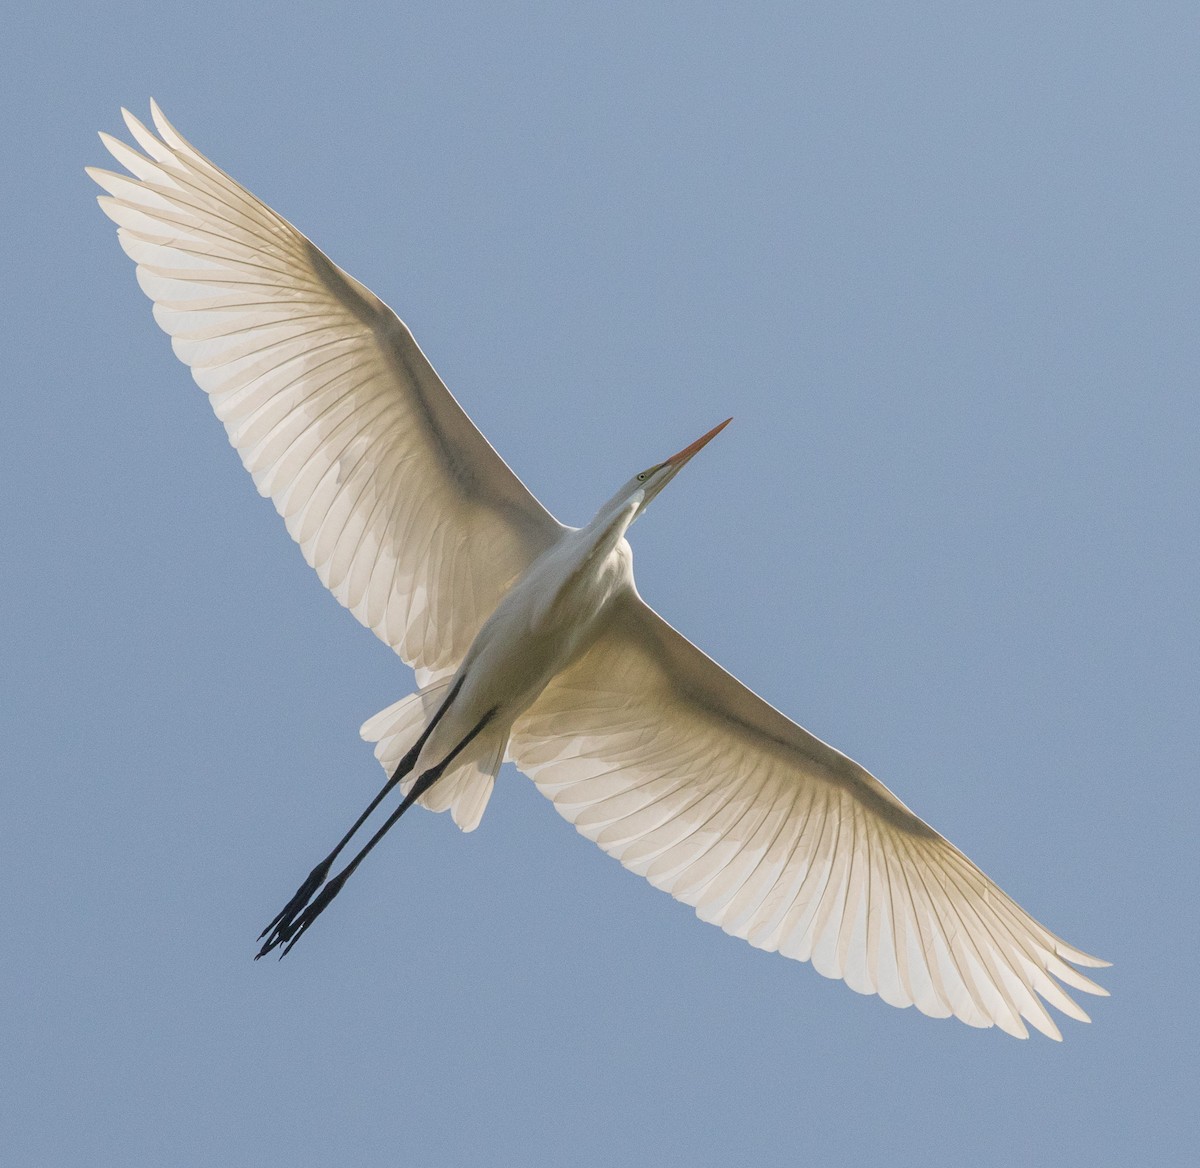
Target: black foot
(280, 930)
(314, 910)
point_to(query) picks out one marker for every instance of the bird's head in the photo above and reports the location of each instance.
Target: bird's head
(654, 478)
(637, 494)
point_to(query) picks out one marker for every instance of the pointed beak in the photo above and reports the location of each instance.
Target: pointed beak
(677, 460)
(666, 471)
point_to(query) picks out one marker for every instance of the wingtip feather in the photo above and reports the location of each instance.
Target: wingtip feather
(166, 131)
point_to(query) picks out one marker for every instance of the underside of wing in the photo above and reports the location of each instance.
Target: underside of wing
(407, 514)
(680, 772)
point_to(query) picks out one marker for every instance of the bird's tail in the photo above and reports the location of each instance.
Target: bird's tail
(465, 788)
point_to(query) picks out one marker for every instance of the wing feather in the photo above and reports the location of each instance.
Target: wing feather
(689, 779)
(407, 514)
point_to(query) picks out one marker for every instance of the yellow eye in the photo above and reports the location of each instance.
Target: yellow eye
(642, 477)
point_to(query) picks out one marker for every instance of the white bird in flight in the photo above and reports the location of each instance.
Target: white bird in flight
(529, 640)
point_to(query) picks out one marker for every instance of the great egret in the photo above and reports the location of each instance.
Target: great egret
(529, 640)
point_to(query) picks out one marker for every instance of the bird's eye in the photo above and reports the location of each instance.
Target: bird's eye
(642, 477)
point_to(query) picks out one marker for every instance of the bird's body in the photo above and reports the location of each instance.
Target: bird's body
(529, 640)
(547, 620)
(543, 624)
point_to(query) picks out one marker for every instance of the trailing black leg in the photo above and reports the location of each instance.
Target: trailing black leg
(334, 886)
(280, 929)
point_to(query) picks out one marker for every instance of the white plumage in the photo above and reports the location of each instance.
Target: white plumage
(534, 634)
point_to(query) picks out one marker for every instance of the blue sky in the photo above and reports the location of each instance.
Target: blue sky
(938, 262)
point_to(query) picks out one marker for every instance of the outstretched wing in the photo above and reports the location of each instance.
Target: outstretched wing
(675, 768)
(409, 517)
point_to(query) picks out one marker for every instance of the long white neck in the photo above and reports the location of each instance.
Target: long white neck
(610, 523)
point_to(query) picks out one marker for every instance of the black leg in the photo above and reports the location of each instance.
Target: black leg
(300, 925)
(280, 929)
(334, 886)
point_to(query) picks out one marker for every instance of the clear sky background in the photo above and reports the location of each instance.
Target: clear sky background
(938, 260)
